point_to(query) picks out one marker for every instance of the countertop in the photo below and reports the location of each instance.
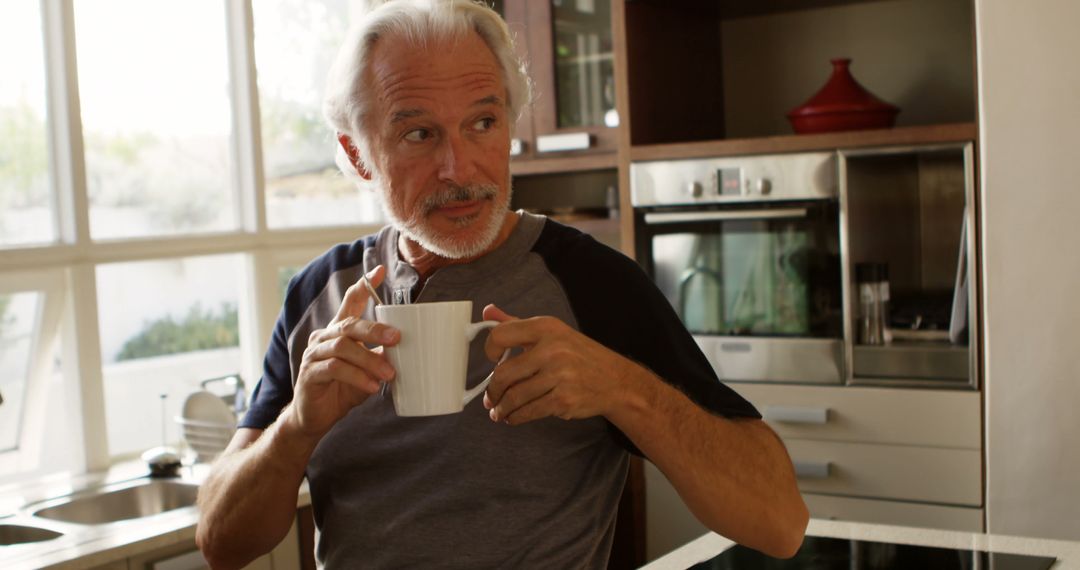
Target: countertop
(94, 545)
(1067, 552)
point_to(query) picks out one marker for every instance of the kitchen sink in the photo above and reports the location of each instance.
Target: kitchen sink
(130, 500)
(18, 534)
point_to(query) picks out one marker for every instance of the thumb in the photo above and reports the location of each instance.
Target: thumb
(357, 295)
(494, 313)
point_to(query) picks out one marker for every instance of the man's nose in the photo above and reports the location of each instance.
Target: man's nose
(456, 161)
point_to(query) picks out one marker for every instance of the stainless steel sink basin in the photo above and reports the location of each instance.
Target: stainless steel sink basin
(18, 534)
(130, 500)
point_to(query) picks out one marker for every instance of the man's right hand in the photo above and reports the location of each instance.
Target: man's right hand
(338, 372)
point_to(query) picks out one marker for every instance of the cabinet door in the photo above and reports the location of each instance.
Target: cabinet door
(515, 12)
(572, 62)
(894, 513)
(901, 472)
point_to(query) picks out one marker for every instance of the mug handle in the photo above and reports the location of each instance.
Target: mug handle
(471, 331)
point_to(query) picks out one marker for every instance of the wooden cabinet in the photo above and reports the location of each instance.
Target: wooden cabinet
(568, 47)
(702, 70)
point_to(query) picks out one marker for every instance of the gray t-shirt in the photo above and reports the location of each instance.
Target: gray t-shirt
(460, 490)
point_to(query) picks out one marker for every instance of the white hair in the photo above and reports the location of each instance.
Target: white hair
(347, 98)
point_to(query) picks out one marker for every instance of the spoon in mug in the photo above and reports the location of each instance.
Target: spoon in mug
(371, 290)
(378, 301)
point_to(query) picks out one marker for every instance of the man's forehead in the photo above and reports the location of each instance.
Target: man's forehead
(461, 62)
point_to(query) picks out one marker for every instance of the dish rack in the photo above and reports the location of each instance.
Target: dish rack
(208, 425)
(207, 439)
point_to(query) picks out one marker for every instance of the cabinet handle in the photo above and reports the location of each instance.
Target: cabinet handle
(561, 142)
(690, 217)
(796, 415)
(812, 469)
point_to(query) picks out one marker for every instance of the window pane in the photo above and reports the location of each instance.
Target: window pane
(154, 87)
(295, 43)
(285, 274)
(165, 326)
(18, 327)
(26, 214)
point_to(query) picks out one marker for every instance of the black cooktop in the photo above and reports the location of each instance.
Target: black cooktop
(820, 553)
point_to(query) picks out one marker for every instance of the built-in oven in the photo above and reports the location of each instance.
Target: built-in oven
(747, 250)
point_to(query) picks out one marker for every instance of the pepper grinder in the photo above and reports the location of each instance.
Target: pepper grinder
(873, 285)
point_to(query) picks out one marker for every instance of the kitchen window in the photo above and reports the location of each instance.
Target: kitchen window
(295, 43)
(155, 198)
(27, 213)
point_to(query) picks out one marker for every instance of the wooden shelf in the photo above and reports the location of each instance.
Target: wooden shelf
(563, 163)
(930, 134)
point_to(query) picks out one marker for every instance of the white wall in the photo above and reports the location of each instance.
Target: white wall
(1029, 88)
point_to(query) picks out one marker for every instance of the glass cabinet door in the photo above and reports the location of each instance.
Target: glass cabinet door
(584, 68)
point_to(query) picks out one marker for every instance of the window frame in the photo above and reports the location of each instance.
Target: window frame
(69, 265)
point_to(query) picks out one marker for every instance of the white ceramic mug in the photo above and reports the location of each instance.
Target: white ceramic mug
(432, 358)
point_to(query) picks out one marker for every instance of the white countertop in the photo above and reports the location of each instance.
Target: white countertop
(94, 545)
(1067, 552)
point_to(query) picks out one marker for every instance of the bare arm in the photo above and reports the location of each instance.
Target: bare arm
(733, 474)
(248, 502)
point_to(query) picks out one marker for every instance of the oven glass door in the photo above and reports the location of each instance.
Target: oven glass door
(765, 270)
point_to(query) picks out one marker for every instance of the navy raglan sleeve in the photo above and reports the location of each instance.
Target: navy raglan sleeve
(274, 390)
(617, 305)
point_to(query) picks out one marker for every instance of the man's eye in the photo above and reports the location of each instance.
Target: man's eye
(484, 124)
(417, 135)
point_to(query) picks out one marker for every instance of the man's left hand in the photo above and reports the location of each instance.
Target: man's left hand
(561, 372)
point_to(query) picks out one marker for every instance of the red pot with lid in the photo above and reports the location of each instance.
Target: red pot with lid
(842, 105)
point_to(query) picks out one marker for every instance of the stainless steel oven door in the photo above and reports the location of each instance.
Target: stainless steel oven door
(757, 284)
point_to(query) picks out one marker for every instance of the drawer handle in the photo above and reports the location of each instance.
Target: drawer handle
(796, 415)
(812, 469)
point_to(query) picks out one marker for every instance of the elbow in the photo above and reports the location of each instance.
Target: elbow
(204, 540)
(788, 531)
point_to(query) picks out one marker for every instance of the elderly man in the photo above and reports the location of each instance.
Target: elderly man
(424, 95)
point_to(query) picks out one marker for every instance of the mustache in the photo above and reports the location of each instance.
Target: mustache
(456, 193)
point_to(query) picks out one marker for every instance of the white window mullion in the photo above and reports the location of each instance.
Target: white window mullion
(66, 137)
(81, 359)
(81, 341)
(247, 145)
(258, 311)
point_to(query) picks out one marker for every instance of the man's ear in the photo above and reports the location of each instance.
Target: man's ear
(354, 155)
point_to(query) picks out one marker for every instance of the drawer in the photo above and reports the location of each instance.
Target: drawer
(894, 512)
(935, 418)
(901, 472)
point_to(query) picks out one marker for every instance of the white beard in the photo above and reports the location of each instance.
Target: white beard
(415, 227)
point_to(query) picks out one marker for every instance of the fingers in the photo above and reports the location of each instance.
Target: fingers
(357, 329)
(494, 313)
(524, 333)
(508, 374)
(356, 296)
(519, 396)
(338, 370)
(348, 353)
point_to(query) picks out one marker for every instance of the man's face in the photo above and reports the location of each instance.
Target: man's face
(440, 142)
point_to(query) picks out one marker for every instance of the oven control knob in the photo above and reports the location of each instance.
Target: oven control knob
(763, 186)
(695, 190)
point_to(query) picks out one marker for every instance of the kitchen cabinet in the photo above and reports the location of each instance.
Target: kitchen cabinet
(701, 70)
(184, 555)
(863, 454)
(901, 448)
(568, 47)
